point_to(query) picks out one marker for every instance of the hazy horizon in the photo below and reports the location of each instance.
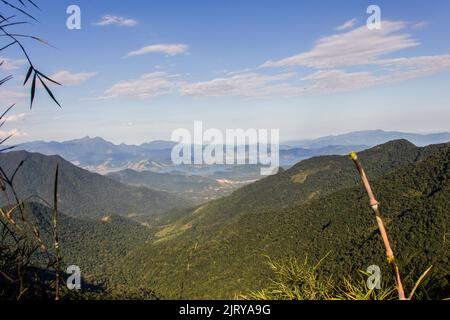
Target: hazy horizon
(281, 141)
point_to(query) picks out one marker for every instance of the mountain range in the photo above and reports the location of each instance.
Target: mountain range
(371, 138)
(131, 239)
(81, 193)
(313, 209)
(101, 156)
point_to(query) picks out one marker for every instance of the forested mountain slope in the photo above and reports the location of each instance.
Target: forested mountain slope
(93, 244)
(82, 192)
(317, 177)
(218, 250)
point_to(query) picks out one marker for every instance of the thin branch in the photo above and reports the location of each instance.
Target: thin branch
(55, 234)
(374, 204)
(18, 9)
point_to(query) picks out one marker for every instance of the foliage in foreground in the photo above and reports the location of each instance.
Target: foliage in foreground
(299, 280)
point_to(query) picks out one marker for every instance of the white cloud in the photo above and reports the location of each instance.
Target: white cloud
(8, 97)
(333, 81)
(11, 64)
(15, 117)
(420, 25)
(392, 71)
(258, 86)
(357, 47)
(169, 49)
(319, 82)
(360, 48)
(16, 133)
(400, 69)
(241, 84)
(288, 84)
(352, 60)
(146, 86)
(347, 25)
(108, 20)
(72, 79)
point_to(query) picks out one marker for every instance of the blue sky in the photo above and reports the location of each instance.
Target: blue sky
(138, 70)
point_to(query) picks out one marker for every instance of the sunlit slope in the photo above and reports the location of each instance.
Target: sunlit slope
(218, 249)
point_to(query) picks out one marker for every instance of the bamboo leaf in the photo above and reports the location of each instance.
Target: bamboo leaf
(17, 170)
(7, 46)
(2, 81)
(50, 93)
(27, 77)
(18, 9)
(49, 79)
(6, 111)
(35, 5)
(411, 296)
(33, 90)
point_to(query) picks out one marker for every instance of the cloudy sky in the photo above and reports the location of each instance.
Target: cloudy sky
(138, 70)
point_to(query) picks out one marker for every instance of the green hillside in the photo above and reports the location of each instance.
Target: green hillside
(91, 243)
(82, 193)
(317, 177)
(218, 249)
(196, 188)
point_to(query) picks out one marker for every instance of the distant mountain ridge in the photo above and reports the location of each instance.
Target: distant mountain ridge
(82, 193)
(101, 156)
(372, 138)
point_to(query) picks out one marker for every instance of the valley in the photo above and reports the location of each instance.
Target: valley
(192, 247)
(180, 152)
(150, 165)
(218, 238)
